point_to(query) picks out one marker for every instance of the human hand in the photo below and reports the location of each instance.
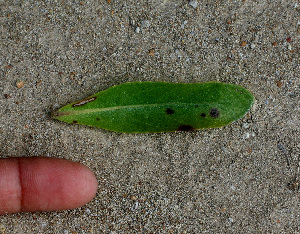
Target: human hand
(44, 184)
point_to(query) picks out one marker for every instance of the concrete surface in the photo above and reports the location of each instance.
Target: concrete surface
(242, 178)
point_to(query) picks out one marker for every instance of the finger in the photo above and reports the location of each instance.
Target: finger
(44, 184)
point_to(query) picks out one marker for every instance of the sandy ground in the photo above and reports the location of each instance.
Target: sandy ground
(242, 178)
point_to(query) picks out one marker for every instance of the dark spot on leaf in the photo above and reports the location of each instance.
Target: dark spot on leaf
(196, 106)
(214, 113)
(185, 128)
(170, 111)
(97, 119)
(203, 115)
(75, 121)
(85, 101)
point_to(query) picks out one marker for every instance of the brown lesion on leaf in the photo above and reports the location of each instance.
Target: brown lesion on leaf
(75, 121)
(185, 127)
(98, 119)
(203, 115)
(170, 111)
(85, 101)
(214, 113)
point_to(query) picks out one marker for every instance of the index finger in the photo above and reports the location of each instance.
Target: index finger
(44, 184)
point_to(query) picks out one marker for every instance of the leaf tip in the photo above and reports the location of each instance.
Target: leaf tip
(55, 114)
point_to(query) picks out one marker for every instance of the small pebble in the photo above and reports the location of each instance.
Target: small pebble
(184, 23)
(136, 205)
(248, 135)
(132, 22)
(246, 125)
(179, 53)
(193, 3)
(20, 84)
(2, 228)
(137, 29)
(145, 23)
(151, 52)
(44, 224)
(88, 211)
(279, 83)
(243, 43)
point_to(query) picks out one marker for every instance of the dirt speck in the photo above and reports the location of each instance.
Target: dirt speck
(279, 83)
(7, 96)
(243, 43)
(20, 84)
(151, 52)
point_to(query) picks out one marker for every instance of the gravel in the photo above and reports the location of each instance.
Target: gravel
(242, 178)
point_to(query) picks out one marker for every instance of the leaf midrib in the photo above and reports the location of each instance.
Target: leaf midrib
(79, 112)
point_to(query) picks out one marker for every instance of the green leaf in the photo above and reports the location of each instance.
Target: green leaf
(141, 107)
